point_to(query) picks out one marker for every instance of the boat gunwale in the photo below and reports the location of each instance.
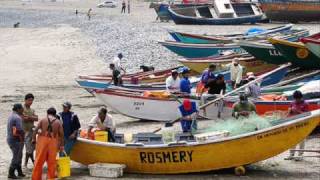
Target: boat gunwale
(192, 45)
(287, 43)
(307, 117)
(215, 19)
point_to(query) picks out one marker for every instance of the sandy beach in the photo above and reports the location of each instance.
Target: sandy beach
(53, 46)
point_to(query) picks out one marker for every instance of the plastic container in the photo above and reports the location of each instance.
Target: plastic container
(63, 166)
(101, 136)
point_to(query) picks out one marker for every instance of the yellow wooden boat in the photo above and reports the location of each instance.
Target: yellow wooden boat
(186, 157)
(250, 64)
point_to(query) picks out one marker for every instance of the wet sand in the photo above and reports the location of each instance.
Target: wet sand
(53, 46)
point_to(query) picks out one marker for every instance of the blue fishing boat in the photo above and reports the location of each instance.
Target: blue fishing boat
(200, 50)
(189, 50)
(222, 12)
(209, 39)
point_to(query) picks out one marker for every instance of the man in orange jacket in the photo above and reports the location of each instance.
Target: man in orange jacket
(49, 141)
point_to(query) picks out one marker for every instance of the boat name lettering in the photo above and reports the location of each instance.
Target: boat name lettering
(283, 130)
(274, 53)
(166, 157)
(138, 103)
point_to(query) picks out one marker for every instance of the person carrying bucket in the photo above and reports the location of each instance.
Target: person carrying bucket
(103, 121)
(49, 141)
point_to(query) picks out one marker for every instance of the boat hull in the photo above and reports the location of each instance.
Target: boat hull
(291, 11)
(264, 52)
(198, 157)
(314, 48)
(263, 107)
(148, 108)
(199, 50)
(250, 65)
(208, 39)
(297, 54)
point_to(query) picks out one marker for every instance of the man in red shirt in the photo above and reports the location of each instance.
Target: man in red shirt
(298, 106)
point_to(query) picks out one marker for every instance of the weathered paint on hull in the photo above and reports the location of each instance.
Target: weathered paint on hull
(220, 154)
(266, 53)
(251, 66)
(292, 11)
(297, 54)
(196, 51)
(314, 48)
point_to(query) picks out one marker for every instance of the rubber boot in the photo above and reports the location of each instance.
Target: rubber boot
(11, 174)
(20, 173)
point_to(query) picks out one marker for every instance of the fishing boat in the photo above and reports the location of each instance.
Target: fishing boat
(291, 10)
(227, 38)
(266, 106)
(296, 53)
(267, 52)
(190, 50)
(134, 78)
(222, 12)
(313, 45)
(163, 107)
(250, 63)
(200, 50)
(200, 156)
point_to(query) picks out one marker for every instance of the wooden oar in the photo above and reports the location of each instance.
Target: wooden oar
(244, 86)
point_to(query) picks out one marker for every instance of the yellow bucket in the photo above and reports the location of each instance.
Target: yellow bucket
(63, 166)
(101, 136)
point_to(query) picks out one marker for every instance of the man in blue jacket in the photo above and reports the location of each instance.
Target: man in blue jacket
(185, 84)
(71, 125)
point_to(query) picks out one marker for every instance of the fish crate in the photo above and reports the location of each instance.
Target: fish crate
(185, 137)
(148, 138)
(211, 135)
(106, 170)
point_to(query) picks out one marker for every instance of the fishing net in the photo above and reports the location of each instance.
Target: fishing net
(241, 125)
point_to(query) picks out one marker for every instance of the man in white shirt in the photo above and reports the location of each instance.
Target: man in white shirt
(117, 63)
(236, 71)
(103, 121)
(173, 82)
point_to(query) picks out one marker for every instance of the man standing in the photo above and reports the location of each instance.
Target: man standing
(189, 113)
(173, 82)
(116, 76)
(49, 140)
(123, 9)
(103, 121)
(298, 106)
(129, 6)
(208, 74)
(15, 137)
(28, 119)
(185, 84)
(236, 71)
(253, 89)
(71, 125)
(117, 63)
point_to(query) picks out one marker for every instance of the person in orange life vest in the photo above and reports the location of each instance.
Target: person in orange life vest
(50, 139)
(298, 106)
(188, 111)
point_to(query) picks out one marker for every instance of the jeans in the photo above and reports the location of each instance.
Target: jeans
(186, 125)
(68, 144)
(16, 149)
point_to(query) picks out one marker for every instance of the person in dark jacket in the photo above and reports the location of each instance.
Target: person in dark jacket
(15, 140)
(71, 126)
